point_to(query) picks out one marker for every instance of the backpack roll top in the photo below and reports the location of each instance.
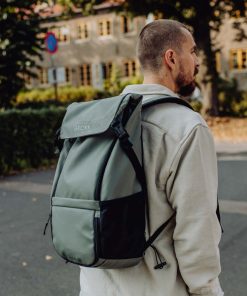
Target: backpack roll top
(98, 196)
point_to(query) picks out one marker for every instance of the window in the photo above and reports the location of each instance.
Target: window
(43, 76)
(62, 34)
(240, 10)
(244, 59)
(234, 59)
(85, 74)
(218, 61)
(67, 74)
(125, 24)
(107, 70)
(82, 31)
(129, 68)
(104, 27)
(238, 59)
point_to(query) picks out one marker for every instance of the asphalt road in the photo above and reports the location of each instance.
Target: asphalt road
(30, 266)
(233, 203)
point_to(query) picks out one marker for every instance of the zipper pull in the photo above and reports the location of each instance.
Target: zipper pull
(49, 219)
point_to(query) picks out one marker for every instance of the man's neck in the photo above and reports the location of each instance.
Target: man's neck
(168, 83)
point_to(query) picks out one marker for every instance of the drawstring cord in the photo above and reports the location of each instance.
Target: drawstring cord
(47, 223)
(159, 262)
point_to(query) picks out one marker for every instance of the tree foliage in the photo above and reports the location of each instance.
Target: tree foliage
(20, 45)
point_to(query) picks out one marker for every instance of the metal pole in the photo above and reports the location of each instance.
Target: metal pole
(54, 73)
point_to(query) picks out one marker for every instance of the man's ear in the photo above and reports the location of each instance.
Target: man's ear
(170, 58)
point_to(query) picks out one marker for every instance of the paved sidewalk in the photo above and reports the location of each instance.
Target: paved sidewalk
(224, 148)
(29, 263)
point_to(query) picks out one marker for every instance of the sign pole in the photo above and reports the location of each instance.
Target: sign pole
(54, 73)
(51, 44)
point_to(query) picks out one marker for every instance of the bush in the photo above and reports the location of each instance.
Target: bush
(27, 137)
(44, 98)
(196, 105)
(37, 98)
(115, 84)
(240, 107)
(232, 102)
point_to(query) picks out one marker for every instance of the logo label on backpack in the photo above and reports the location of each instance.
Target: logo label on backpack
(83, 126)
(89, 125)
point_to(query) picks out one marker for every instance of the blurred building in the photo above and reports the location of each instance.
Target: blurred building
(231, 60)
(91, 47)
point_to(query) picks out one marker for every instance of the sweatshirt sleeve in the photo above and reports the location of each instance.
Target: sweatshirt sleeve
(192, 192)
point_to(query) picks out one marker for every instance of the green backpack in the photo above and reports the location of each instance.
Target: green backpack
(99, 198)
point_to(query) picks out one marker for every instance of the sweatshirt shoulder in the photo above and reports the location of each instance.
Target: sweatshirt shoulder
(175, 120)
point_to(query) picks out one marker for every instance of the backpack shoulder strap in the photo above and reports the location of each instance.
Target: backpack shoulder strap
(152, 102)
(165, 99)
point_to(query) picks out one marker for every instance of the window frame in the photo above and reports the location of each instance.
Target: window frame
(68, 75)
(107, 68)
(131, 66)
(84, 31)
(131, 24)
(43, 76)
(58, 34)
(85, 74)
(103, 26)
(239, 53)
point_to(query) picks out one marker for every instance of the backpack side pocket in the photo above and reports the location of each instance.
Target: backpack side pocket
(73, 229)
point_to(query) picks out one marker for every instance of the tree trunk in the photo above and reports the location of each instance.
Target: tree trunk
(209, 89)
(208, 77)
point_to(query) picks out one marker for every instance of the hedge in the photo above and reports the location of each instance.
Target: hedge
(37, 98)
(27, 137)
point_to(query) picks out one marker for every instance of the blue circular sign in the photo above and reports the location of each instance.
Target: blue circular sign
(51, 42)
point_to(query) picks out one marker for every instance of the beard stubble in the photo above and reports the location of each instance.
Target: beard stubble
(184, 88)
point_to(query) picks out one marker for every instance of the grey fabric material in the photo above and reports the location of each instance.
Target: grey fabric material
(74, 243)
(79, 175)
(75, 203)
(88, 118)
(124, 180)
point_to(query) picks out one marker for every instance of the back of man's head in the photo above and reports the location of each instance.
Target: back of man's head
(155, 38)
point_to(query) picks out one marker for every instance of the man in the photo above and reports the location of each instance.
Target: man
(181, 172)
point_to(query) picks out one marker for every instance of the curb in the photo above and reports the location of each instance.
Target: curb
(227, 148)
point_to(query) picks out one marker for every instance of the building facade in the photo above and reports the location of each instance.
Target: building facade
(232, 57)
(91, 47)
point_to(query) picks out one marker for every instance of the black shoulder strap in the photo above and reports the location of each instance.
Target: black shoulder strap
(153, 237)
(153, 102)
(146, 104)
(162, 99)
